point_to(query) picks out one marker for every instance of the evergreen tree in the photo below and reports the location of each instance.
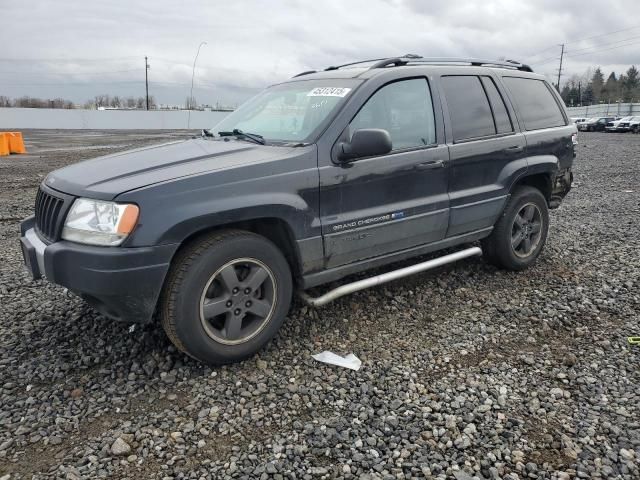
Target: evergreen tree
(631, 85)
(597, 85)
(610, 90)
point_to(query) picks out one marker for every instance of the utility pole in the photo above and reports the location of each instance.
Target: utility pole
(580, 93)
(146, 79)
(560, 69)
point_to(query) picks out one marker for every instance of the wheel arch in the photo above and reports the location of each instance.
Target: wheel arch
(274, 229)
(539, 174)
(539, 181)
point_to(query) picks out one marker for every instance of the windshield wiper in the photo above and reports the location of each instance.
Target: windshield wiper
(254, 137)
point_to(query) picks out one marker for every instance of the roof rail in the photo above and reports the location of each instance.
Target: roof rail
(377, 60)
(307, 72)
(412, 58)
(405, 60)
(336, 67)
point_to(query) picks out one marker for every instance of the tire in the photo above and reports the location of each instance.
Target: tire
(525, 209)
(226, 296)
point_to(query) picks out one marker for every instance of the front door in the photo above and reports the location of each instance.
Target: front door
(378, 205)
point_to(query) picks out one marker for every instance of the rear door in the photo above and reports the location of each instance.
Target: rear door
(378, 205)
(485, 151)
(543, 120)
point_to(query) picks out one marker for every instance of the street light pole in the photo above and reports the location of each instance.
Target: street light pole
(146, 79)
(193, 74)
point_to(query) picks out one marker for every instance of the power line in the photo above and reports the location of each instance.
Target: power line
(545, 61)
(541, 51)
(604, 44)
(582, 40)
(603, 34)
(602, 50)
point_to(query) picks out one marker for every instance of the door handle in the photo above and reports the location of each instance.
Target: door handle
(430, 165)
(514, 149)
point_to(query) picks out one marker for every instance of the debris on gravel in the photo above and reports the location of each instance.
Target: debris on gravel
(467, 372)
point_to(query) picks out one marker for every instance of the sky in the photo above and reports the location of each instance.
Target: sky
(76, 49)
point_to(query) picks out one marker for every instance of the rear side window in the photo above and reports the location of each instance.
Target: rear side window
(404, 109)
(500, 113)
(468, 107)
(536, 105)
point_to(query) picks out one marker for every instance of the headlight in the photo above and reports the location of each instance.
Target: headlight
(96, 222)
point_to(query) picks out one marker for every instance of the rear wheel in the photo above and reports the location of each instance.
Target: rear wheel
(521, 232)
(226, 296)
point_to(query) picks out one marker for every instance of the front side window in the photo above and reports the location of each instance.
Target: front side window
(469, 108)
(404, 109)
(290, 112)
(536, 104)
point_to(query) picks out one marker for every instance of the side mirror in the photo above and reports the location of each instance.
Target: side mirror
(366, 142)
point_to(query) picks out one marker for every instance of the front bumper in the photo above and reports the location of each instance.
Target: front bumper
(121, 283)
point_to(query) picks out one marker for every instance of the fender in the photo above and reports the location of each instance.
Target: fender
(537, 164)
(290, 209)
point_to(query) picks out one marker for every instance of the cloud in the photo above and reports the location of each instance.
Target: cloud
(77, 49)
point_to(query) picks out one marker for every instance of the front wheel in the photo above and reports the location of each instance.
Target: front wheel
(226, 296)
(521, 232)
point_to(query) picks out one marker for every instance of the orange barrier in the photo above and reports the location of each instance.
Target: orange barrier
(4, 145)
(11, 142)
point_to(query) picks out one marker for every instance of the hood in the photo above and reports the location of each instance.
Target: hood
(108, 176)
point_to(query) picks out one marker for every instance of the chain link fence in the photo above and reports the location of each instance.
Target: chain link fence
(605, 110)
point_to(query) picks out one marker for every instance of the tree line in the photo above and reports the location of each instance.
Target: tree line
(99, 101)
(32, 102)
(592, 88)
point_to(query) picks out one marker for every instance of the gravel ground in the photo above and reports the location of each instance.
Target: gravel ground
(468, 372)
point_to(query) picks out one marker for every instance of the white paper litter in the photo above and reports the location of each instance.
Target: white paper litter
(350, 361)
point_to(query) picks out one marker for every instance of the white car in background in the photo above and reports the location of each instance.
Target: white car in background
(621, 125)
(628, 124)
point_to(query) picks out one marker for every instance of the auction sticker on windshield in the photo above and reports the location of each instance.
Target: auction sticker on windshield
(328, 92)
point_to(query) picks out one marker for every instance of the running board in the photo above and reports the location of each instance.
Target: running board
(389, 276)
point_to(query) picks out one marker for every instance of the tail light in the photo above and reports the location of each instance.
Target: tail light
(574, 139)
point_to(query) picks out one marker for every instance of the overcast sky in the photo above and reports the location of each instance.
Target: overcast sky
(79, 48)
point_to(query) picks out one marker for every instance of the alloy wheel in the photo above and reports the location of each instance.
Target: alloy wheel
(238, 301)
(526, 231)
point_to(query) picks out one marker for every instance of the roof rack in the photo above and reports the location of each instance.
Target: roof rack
(476, 62)
(412, 58)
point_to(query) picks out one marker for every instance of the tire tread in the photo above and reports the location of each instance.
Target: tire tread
(180, 265)
(491, 244)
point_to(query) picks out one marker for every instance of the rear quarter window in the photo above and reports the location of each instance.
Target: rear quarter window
(536, 104)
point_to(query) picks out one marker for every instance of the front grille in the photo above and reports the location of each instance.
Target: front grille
(50, 210)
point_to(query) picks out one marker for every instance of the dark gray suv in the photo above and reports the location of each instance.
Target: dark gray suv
(324, 175)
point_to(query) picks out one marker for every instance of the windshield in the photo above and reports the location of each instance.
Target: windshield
(290, 112)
